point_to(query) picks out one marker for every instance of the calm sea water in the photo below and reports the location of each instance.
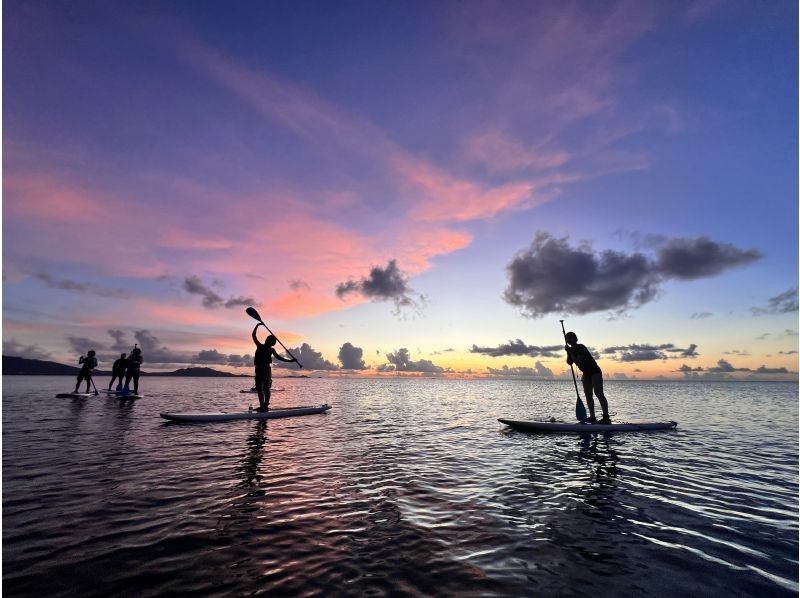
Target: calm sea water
(404, 487)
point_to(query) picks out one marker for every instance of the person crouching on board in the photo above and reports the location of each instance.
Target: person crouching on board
(592, 377)
(88, 363)
(134, 362)
(263, 361)
(118, 371)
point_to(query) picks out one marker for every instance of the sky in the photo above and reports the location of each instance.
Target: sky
(413, 188)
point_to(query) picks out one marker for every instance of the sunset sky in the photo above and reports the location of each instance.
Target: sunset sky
(434, 183)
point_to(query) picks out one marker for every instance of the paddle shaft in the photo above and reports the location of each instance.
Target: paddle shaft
(571, 367)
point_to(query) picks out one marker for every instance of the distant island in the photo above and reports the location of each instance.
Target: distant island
(20, 366)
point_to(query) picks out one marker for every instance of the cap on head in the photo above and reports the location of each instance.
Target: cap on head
(90, 353)
(571, 337)
(271, 340)
(136, 351)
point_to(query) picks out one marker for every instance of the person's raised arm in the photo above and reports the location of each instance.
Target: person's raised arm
(255, 338)
(568, 349)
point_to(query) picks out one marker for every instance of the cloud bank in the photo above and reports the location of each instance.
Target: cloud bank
(553, 277)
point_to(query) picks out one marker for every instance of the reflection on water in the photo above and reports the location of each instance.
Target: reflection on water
(406, 486)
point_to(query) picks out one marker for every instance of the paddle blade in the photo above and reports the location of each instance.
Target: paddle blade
(580, 411)
(251, 311)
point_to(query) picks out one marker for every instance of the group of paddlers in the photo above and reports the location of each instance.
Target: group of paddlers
(125, 369)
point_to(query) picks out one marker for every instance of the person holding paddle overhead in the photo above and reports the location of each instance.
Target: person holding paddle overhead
(118, 371)
(88, 364)
(133, 363)
(263, 363)
(592, 376)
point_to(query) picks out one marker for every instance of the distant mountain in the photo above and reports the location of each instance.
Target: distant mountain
(20, 366)
(199, 373)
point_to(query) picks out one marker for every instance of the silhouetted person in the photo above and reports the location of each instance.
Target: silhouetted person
(592, 377)
(88, 364)
(133, 364)
(118, 371)
(263, 361)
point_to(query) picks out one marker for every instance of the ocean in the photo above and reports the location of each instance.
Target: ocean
(406, 487)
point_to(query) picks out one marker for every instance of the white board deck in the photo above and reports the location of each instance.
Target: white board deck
(224, 416)
(537, 426)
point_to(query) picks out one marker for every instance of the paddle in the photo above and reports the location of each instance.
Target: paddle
(580, 410)
(95, 388)
(251, 311)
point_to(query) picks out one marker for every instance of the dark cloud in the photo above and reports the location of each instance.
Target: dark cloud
(539, 371)
(765, 370)
(726, 367)
(14, 348)
(648, 352)
(194, 286)
(518, 347)
(762, 337)
(784, 303)
(88, 288)
(789, 332)
(352, 357)
(553, 277)
(687, 368)
(690, 259)
(212, 356)
(737, 352)
(382, 284)
(82, 344)
(121, 342)
(792, 352)
(153, 353)
(211, 300)
(299, 285)
(701, 315)
(311, 360)
(239, 302)
(400, 361)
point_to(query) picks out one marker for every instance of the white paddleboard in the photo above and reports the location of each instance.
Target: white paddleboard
(224, 417)
(536, 426)
(74, 395)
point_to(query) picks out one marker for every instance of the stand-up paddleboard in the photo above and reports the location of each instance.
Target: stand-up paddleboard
(534, 426)
(126, 397)
(74, 395)
(256, 392)
(224, 417)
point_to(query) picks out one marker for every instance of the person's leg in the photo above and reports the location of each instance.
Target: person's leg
(587, 389)
(78, 383)
(267, 387)
(260, 388)
(128, 376)
(597, 382)
(136, 382)
(88, 382)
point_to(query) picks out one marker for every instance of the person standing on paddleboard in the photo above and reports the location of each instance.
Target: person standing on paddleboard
(118, 371)
(88, 364)
(263, 362)
(592, 377)
(134, 362)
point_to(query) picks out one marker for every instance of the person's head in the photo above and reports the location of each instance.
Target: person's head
(571, 338)
(90, 353)
(271, 340)
(136, 351)
(123, 355)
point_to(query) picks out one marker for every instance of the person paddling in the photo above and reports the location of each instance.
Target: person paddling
(118, 371)
(263, 363)
(592, 376)
(88, 364)
(133, 364)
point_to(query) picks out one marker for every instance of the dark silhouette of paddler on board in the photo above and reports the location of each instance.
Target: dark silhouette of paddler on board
(263, 360)
(592, 378)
